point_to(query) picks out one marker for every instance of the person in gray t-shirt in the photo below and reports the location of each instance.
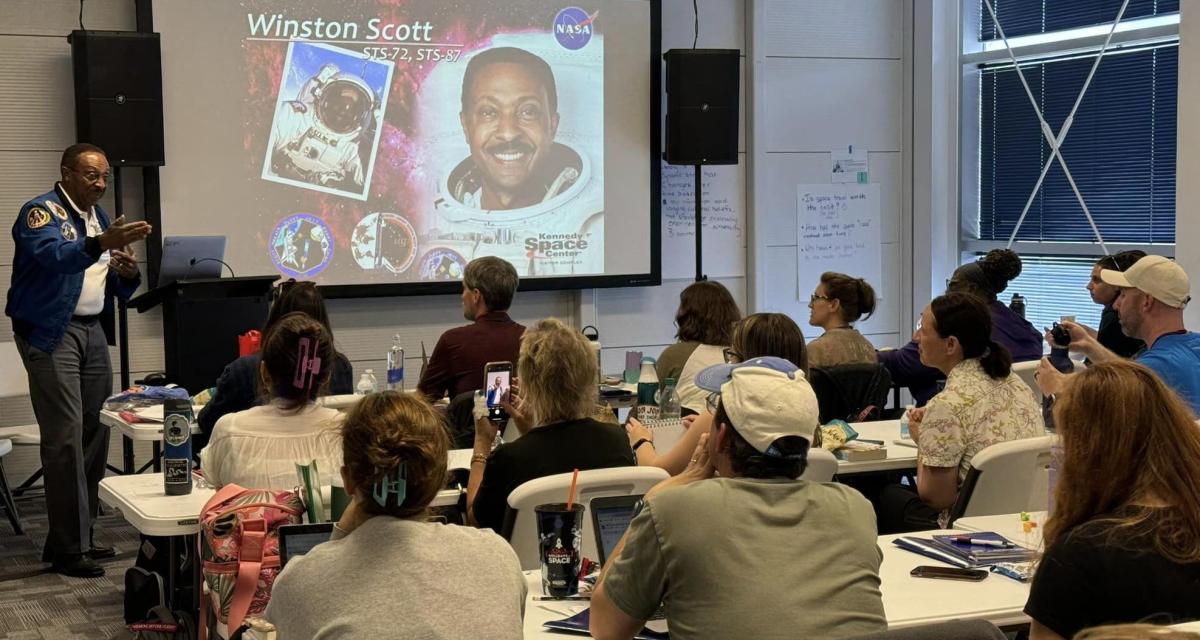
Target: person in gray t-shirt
(756, 552)
(386, 572)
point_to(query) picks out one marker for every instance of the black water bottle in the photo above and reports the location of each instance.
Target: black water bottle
(177, 447)
(1017, 305)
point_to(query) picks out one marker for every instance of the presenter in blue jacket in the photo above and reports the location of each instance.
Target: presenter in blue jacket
(70, 261)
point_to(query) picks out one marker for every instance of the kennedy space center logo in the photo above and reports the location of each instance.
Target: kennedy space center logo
(573, 28)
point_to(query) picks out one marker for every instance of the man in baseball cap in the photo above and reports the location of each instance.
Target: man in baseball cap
(1153, 294)
(701, 544)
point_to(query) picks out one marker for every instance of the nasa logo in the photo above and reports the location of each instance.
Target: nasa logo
(573, 28)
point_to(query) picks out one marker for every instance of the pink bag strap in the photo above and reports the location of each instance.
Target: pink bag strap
(224, 493)
(254, 536)
(202, 623)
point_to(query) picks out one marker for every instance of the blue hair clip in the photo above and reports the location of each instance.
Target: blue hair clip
(388, 485)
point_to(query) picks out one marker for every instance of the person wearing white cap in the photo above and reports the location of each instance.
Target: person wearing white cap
(1153, 294)
(706, 543)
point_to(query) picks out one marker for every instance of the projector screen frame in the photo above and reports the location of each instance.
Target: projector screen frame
(144, 13)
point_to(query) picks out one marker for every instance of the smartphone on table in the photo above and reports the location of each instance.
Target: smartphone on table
(949, 573)
(497, 386)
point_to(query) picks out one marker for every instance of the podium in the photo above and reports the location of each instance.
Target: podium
(202, 319)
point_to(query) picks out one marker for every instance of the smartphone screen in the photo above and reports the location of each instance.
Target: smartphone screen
(949, 573)
(497, 380)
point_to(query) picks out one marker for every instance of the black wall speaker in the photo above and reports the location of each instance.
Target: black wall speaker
(118, 95)
(703, 95)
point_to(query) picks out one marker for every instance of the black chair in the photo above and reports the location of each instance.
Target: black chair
(851, 392)
(460, 421)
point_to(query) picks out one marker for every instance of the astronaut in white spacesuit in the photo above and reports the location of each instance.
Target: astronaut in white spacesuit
(318, 139)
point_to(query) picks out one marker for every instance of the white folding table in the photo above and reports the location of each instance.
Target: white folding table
(907, 601)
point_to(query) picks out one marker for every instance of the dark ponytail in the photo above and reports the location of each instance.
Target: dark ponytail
(996, 361)
(966, 317)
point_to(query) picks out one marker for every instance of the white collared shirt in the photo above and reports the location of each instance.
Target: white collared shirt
(91, 297)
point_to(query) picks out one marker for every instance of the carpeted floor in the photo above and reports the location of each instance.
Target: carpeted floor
(36, 604)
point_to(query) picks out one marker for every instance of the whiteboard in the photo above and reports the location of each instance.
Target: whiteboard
(724, 234)
(837, 229)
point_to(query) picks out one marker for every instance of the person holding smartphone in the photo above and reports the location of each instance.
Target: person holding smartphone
(557, 372)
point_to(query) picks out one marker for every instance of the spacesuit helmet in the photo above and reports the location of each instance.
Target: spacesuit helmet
(345, 103)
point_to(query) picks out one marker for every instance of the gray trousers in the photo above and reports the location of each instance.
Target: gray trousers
(68, 387)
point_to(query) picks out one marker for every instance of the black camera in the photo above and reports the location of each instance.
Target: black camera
(1060, 335)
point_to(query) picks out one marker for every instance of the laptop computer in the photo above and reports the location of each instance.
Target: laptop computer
(611, 516)
(298, 539)
(191, 257)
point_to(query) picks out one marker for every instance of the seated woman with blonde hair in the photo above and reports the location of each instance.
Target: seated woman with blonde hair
(558, 393)
(1123, 544)
(387, 572)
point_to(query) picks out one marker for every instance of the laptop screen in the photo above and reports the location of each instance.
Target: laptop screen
(610, 519)
(298, 539)
(185, 257)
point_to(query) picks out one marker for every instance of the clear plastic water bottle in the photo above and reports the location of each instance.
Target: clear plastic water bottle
(668, 401)
(366, 383)
(395, 365)
(904, 432)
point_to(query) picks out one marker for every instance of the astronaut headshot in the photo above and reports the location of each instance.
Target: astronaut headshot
(510, 118)
(324, 135)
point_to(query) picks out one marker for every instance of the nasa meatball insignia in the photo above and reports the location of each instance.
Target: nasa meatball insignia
(68, 231)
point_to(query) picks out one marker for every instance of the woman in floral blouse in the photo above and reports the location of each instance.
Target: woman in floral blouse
(984, 403)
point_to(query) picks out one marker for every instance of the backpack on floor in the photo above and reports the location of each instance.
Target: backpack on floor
(239, 551)
(148, 614)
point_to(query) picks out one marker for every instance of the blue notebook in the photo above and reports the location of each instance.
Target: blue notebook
(967, 556)
(578, 624)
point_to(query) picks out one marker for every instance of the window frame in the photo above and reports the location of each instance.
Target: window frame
(972, 56)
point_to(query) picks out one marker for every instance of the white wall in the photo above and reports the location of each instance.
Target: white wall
(642, 318)
(827, 74)
(1187, 160)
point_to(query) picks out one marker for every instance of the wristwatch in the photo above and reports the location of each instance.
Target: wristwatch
(642, 442)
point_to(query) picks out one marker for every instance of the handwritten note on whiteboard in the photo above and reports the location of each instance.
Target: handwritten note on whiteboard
(837, 229)
(724, 221)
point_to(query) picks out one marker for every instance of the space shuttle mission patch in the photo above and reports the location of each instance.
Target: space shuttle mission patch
(57, 210)
(37, 218)
(68, 232)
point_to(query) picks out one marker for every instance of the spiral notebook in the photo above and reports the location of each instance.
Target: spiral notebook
(666, 432)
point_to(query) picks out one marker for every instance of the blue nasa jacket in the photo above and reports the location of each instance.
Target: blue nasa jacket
(53, 251)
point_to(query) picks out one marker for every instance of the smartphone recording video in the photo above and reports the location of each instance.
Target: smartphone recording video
(497, 378)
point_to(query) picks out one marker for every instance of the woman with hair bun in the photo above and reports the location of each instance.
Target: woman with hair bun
(838, 302)
(985, 278)
(387, 572)
(984, 403)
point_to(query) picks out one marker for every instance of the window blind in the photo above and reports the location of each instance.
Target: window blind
(1054, 286)
(1120, 149)
(1027, 17)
